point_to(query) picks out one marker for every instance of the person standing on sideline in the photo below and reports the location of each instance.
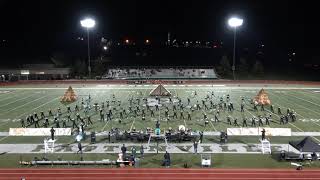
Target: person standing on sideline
(123, 150)
(263, 134)
(79, 148)
(195, 147)
(141, 151)
(167, 161)
(201, 136)
(52, 133)
(133, 152)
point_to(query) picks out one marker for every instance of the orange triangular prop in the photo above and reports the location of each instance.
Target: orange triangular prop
(262, 98)
(69, 95)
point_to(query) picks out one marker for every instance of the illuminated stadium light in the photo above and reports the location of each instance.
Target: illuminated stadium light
(88, 23)
(127, 41)
(147, 41)
(105, 48)
(235, 22)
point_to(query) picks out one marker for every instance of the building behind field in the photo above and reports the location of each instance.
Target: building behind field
(45, 70)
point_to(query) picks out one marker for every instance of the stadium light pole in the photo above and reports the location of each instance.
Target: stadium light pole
(234, 22)
(88, 23)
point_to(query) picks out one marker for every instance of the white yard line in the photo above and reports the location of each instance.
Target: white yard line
(4, 138)
(9, 95)
(4, 123)
(303, 108)
(304, 100)
(213, 126)
(105, 126)
(309, 93)
(132, 125)
(290, 122)
(37, 107)
(24, 105)
(17, 100)
(26, 112)
(185, 123)
(210, 121)
(300, 114)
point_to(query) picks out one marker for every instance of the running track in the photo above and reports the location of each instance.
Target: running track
(167, 174)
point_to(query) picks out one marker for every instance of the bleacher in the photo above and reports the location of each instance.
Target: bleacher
(160, 73)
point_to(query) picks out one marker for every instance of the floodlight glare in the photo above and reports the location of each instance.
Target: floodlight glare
(88, 23)
(235, 22)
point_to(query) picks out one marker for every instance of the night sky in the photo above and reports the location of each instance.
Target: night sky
(39, 28)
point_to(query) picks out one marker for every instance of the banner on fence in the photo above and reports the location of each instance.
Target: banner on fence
(257, 131)
(39, 131)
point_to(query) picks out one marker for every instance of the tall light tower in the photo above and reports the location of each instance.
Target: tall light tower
(88, 23)
(234, 22)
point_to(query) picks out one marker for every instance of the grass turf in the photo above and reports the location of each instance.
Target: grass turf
(19, 103)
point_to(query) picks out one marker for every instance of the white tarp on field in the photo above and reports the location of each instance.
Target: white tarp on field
(257, 131)
(39, 131)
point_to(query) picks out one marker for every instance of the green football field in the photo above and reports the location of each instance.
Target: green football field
(19, 101)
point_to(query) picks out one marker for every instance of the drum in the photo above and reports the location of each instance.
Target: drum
(157, 131)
